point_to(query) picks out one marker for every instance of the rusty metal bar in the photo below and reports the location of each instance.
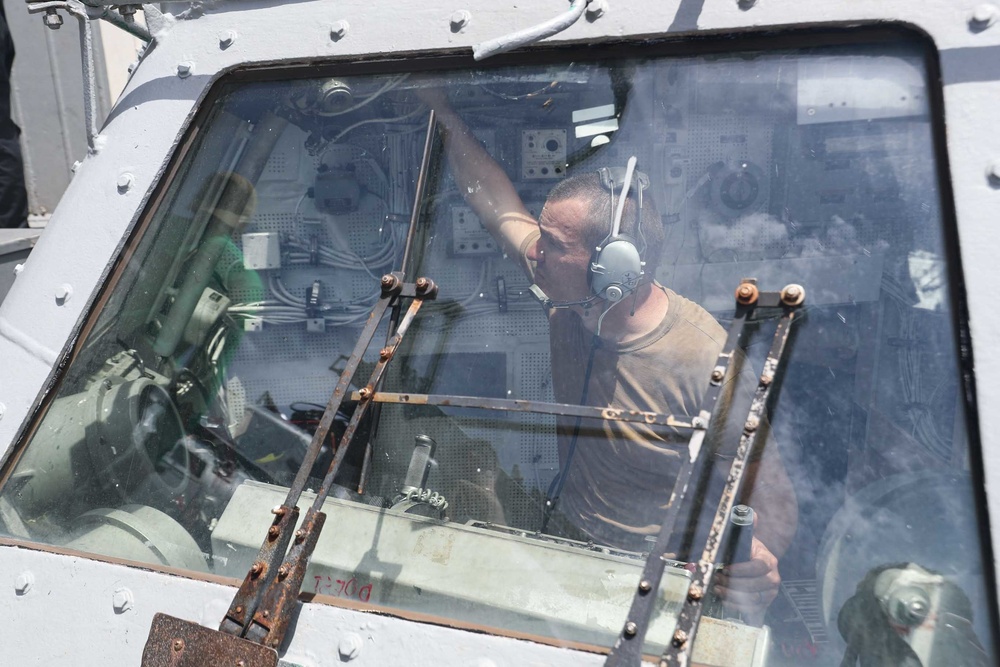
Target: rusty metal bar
(418, 196)
(678, 651)
(411, 231)
(538, 407)
(273, 617)
(627, 650)
(263, 571)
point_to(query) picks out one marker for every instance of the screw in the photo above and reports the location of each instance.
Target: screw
(365, 393)
(122, 600)
(178, 644)
(273, 531)
(423, 284)
(52, 20)
(63, 293)
(983, 16)
(695, 593)
(256, 569)
(125, 181)
(184, 69)
(460, 19)
(631, 628)
(384, 354)
(278, 510)
(23, 582)
(300, 535)
(239, 609)
(680, 638)
(226, 38)
(718, 374)
(645, 586)
(751, 425)
(338, 30)
(282, 572)
(265, 613)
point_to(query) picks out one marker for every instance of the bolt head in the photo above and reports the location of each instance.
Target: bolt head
(680, 638)
(793, 295)
(125, 182)
(184, 69)
(339, 29)
(122, 600)
(63, 293)
(52, 20)
(645, 586)
(984, 15)
(631, 628)
(596, 9)
(178, 644)
(384, 353)
(460, 19)
(695, 593)
(751, 425)
(24, 582)
(993, 173)
(365, 393)
(226, 38)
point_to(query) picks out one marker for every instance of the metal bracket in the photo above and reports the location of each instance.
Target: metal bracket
(627, 650)
(262, 610)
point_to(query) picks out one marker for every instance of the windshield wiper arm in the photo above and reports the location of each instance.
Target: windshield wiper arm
(259, 616)
(627, 650)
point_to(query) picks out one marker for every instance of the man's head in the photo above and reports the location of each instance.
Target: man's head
(576, 218)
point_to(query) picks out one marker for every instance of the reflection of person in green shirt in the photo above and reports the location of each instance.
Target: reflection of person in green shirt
(654, 353)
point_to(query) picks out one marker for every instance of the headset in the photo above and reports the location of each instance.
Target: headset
(617, 265)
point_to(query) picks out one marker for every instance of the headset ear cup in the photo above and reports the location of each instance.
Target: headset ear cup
(615, 269)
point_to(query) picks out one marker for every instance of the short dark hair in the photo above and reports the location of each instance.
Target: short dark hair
(596, 227)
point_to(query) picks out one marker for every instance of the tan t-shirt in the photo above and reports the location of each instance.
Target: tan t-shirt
(619, 481)
(620, 478)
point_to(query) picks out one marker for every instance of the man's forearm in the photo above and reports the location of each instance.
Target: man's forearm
(482, 182)
(773, 498)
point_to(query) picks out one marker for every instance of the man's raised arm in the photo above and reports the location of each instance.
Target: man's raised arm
(482, 182)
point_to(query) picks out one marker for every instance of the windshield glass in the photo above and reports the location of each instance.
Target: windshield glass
(587, 225)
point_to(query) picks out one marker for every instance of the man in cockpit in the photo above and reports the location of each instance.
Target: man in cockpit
(646, 349)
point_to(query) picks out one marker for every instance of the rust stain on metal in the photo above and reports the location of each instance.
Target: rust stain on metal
(174, 642)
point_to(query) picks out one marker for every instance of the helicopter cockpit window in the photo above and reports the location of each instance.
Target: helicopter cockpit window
(586, 225)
